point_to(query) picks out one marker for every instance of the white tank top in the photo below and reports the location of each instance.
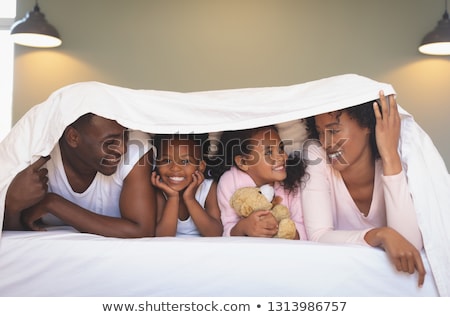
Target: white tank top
(187, 228)
(102, 195)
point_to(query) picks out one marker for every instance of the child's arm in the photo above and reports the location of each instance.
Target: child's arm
(207, 220)
(167, 210)
(166, 224)
(225, 189)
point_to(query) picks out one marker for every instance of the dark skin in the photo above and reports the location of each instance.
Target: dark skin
(97, 148)
(26, 189)
(180, 173)
(358, 172)
(270, 167)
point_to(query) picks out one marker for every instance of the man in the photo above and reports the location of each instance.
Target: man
(95, 180)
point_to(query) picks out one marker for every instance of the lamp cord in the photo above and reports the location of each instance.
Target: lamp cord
(445, 16)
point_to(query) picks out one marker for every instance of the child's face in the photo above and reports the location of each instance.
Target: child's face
(344, 140)
(177, 161)
(266, 162)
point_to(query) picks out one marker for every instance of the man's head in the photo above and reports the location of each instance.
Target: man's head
(94, 144)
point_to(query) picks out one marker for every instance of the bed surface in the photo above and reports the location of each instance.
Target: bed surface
(63, 262)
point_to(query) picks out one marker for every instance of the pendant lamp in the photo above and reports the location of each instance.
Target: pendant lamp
(34, 30)
(437, 42)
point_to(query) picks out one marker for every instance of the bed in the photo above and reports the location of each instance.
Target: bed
(63, 262)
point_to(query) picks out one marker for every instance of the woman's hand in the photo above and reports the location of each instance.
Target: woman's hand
(401, 252)
(387, 133)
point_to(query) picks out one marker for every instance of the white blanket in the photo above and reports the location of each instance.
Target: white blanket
(167, 112)
(63, 262)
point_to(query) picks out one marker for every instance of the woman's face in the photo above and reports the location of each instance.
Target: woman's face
(343, 139)
(266, 161)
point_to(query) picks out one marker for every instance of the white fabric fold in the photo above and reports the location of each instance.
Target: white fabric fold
(36, 133)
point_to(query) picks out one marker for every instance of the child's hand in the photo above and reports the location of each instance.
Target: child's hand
(156, 182)
(197, 179)
(261, 224)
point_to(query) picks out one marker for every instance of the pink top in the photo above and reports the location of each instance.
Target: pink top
(332, 216)
(234, 179)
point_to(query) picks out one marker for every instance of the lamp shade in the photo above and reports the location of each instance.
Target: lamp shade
(437, 42)
(34, 30)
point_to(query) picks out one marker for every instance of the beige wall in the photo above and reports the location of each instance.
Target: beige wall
(188, 45)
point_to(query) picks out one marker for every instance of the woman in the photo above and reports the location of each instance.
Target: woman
(357, 191)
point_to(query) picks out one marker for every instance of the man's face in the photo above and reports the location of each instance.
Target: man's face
(102, 145)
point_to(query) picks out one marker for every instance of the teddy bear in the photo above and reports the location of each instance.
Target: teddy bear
(246, 200)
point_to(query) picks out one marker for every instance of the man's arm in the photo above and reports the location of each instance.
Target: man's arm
(137, 205)
(26, 189)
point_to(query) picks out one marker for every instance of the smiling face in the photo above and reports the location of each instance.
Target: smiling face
(344, 140)
(266, 160)
(177, 161)
(98, 145)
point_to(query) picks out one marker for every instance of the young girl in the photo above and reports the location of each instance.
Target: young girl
(256, 157)
(186, 201)
(357, 191)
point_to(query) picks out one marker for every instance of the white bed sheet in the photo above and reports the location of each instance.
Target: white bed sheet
(62, 262)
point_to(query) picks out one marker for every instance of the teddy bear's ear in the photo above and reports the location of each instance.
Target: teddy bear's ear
(277, 200)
